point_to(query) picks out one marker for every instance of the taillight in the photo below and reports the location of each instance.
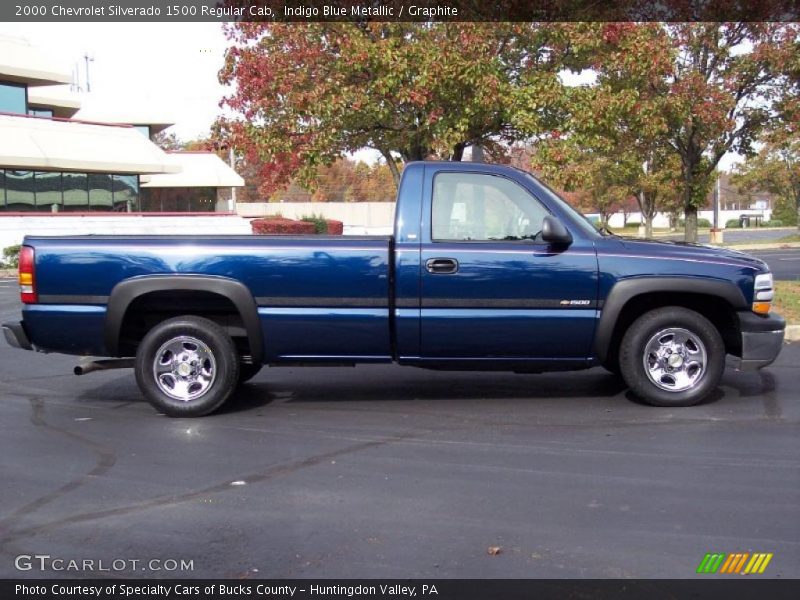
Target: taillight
(27, 276)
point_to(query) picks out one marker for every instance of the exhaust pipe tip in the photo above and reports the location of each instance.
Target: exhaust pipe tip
(103, 365)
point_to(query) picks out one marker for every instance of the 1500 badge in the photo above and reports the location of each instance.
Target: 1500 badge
(575, 302)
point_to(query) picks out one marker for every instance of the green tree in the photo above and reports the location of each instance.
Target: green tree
(706, 88)
(776, 169)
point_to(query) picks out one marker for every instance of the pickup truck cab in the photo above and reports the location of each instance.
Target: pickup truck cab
(488, 269)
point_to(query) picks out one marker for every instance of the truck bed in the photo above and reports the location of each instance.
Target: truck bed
(336, 286)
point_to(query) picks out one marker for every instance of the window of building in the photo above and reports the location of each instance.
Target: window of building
(100, 192)
(19, 191)
(76, 192)
(143, 129)
(26, 191)
(40, 112)
(480, 207)
(179, 199)
(126, 192)
(47, 186)
(13, 98)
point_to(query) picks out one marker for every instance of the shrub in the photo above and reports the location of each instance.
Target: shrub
(11, 256)
(279, 225)
(320, 224)
(701, 223)
(732, 224)
(335, 227)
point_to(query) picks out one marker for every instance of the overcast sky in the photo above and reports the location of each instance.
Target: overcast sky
(170, 66)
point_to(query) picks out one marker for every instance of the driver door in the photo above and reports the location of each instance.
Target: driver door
(491, 288)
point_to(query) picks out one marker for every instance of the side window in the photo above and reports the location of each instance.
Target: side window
(481, 207)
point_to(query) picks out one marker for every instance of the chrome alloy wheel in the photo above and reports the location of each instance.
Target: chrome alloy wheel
(675, 359)
(184, 368)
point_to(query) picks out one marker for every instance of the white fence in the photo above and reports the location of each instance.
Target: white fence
(355, 215)
(14, 228)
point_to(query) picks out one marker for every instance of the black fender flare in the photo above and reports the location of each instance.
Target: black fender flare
(128, 290)
(627, 289)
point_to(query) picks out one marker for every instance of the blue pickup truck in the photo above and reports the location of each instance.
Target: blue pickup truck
(488, 269)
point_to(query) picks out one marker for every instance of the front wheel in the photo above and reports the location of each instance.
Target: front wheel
(672, 356)
(187, 366)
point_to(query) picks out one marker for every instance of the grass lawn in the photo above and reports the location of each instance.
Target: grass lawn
(787, 301)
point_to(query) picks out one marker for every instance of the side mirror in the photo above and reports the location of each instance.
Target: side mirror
(554, 232)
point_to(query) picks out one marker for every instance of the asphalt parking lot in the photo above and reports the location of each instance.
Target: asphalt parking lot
(384, 471)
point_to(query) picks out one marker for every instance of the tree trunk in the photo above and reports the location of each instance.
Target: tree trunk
(648, 226)
(797, 205)
(690, 233)
(458, 152)
(392, 167)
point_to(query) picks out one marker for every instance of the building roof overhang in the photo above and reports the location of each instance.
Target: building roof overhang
(198, 169)
(59, 99)
(31, 143)
(22, 63)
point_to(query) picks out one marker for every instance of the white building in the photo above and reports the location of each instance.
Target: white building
(64, 169)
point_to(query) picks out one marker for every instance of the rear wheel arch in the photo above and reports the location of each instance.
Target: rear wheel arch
(128, 291)
(629, 299)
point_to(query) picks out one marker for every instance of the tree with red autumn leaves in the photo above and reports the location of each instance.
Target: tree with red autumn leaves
(307, 93)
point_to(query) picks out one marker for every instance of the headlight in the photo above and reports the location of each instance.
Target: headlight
(763, 293)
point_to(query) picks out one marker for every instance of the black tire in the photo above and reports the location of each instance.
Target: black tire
(199, 362)
(699, 361)
(248, 371)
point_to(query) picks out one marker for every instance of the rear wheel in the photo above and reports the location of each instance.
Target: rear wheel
(187, 366)
(672, 356)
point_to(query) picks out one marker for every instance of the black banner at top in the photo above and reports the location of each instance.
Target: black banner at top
(398, 10)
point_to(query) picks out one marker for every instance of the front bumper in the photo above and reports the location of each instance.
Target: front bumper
(762, 339)
(15, 336)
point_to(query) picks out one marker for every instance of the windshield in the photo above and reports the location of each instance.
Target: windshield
(579, 218)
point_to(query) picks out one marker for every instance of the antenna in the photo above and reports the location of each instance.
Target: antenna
(88, 58)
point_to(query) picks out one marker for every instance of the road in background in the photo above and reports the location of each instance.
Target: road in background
(740, 236)
(784, 263)
(385, 471)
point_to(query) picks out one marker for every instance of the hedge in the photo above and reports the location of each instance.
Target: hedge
(280, 225)
(701, 223)
(732, 224)
(306, 226)
(335, 227)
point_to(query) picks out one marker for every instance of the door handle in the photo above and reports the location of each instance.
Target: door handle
(441, 266)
